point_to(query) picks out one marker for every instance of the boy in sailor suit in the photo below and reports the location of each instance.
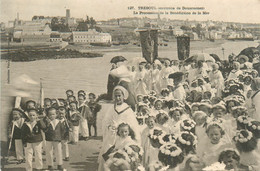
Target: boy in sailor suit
(14, 132)
(32, 140)
(67, 128)
(53, 134)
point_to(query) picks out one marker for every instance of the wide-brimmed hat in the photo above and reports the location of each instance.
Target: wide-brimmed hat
(243, 57)
(176, 75)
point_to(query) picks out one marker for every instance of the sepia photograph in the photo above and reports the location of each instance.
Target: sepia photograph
(130, 85)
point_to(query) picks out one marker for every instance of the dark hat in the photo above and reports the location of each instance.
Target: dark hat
(75, 102)
(19, 110)
(51, 108)
(72, 96)
(243, 57)
(176, 75)
(33, 109)
(30, 101)
(47, 99)
(142, 63)
(83, 95)
(117, 59)
(69, 91)
(61, 100)
(92, 94)
(81, 92)
(61, 107)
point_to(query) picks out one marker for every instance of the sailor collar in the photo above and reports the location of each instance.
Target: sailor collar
(19, 123)
(31, 125)
(54, 123)
(119, 109)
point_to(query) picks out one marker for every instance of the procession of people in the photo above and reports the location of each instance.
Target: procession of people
(198, 114)
(201, 113)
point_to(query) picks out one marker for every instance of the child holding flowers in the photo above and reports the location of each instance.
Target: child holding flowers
(247, 145)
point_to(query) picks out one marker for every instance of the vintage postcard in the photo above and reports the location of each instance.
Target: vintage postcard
(140, 85)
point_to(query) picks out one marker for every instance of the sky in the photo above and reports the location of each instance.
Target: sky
(245, 11)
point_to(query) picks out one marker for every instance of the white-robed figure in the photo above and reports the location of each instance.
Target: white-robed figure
(256, 99)
(216, 79)
(178, 90)
(140, 85)
(164, 74)
(125, 76)
(118, 113)
(235, 72)
(156, 77)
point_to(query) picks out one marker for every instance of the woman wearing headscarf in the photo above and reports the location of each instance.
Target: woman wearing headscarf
(120, 112)
(122, 73)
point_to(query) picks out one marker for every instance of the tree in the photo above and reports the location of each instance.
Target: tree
(34, 17)
(82, 26)
(198, 29)
(92, 22)
(185, 28)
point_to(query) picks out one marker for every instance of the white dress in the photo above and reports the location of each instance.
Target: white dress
(156, 81)
(140, 85)
(165, 72)
(179, 93)
(115, 115)
(216, 79)
(211, 153)
(234, 74)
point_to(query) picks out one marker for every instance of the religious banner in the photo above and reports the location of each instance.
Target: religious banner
(149, 43)
(183, 45)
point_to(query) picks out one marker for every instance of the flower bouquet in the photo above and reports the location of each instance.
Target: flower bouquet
(242, 122)
(187, 141)
(188, 125)
(155, 137)
(170, 155)
(254, 127)
(215, 167)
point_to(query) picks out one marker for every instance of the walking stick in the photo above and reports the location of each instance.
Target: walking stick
(10, 144)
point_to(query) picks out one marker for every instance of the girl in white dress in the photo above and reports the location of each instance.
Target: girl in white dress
(140, 85)
(165, 72)
(117, 113)
(214, 144)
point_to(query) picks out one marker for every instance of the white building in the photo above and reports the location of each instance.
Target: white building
(91, 36)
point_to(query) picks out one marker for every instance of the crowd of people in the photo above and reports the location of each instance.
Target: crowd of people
(47, 130)
(197, 115)
(168, 115)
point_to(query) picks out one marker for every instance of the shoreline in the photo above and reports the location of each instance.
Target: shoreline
(86, 51)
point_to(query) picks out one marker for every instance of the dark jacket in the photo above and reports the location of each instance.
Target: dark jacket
(54, 134)
(74, 118)
(33, 136)
(95, 108)
(67, 125)
(17, 132)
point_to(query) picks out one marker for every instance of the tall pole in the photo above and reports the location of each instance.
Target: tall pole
(8, 61)
(223, 50)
